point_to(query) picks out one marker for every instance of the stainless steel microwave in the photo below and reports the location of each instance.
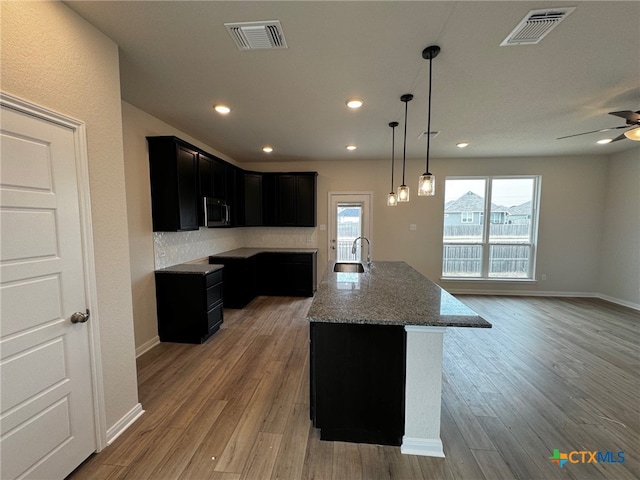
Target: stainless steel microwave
(216, 213)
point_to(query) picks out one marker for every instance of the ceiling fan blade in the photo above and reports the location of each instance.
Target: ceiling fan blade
(619, 137)
(595, 131)
(632, 117)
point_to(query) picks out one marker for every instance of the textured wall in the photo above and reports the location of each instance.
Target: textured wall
(53, 58)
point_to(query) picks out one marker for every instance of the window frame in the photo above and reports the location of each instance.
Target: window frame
(486, 243)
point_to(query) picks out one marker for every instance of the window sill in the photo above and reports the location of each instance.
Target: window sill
(488, 280)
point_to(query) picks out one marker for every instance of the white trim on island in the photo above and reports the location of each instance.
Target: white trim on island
(423, 391)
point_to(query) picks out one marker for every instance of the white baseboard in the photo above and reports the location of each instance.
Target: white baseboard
(125, 422)
(519, 293)
(145, 347)
(538, 293)
(426, 447)
(624, 303)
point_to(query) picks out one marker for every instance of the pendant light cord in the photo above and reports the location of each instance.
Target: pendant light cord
(393, 126)
(429, 117)
(404, 150)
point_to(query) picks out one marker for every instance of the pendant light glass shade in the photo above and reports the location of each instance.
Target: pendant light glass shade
(403, 190)
(427, 182)
(392, 199)
(427, 185)
(403, 193)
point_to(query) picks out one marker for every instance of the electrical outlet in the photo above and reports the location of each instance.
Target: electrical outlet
(544, 277)
(413, 227)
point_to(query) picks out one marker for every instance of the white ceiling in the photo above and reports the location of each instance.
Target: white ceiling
(177, 60)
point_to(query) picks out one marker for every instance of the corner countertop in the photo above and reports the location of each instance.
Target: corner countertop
(388, 293)
(197, 268)
(250, 252)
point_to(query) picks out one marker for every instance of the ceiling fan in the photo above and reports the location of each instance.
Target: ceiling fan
(633, 124)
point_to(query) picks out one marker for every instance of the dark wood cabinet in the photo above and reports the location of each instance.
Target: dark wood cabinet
(240, 286)
(357, 382)
(189, 305)
(252, 190)
(267, 273)
(173, 168)
(182, 175)
(296, 199)
(291, 274)
(290, 199)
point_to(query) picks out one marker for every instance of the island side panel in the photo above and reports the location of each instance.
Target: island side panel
(357, 382)
(423, 395)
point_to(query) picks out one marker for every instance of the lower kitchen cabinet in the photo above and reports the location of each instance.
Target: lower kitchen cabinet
(357, 382)
(189, 304)
(266, 272)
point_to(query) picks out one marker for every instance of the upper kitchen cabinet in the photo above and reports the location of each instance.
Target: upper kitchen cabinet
(252, 190)
(296, 199)
(173, 167)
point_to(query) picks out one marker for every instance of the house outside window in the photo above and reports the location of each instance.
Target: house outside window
(504, 247)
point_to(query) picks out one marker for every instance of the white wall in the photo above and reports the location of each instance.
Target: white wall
(53, 58)
(570, 232)
(620, 252)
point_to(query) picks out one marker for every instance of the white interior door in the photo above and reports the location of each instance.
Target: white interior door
(349, 218)
(46, 397)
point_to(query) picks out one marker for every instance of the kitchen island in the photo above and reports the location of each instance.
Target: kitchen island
(376, 356)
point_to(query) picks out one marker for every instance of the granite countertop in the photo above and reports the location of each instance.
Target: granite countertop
(202, 268)
(250, 252)
(389, 293)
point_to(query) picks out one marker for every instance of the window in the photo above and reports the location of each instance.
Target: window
(504, 247)
(466, 217)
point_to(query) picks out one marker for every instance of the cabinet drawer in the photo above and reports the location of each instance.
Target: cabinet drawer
(214, 295)
(213, 278)
(214, 317)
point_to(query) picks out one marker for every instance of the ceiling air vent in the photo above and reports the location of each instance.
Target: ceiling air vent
(257, 35)
(536, 25)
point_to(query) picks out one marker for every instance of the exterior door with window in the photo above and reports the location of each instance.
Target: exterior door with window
(349, 218)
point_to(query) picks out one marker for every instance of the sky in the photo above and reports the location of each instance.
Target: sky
(505, 191)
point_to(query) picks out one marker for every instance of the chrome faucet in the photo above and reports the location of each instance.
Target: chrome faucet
(353, 249)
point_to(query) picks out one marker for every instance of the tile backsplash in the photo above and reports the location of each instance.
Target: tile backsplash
(171, 248)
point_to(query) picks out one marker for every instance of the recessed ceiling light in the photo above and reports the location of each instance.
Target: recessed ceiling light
(462, 145)
(351, 147)
(355, 103)
(604, 141)
(267, 149)
(222, 109)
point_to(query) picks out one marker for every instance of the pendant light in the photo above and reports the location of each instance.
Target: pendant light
(392, 199)
(403, 190)
(427, 182)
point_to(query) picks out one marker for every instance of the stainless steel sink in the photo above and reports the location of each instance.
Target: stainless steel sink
(348, 267)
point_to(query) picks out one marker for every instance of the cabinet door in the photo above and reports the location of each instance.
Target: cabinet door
(187, 191)
(174, 186)
(219, 179)
(306, 200)
(286, 200)
(253, 199)
(269, 197)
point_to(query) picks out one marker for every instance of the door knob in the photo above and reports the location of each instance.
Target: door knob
(80, 317)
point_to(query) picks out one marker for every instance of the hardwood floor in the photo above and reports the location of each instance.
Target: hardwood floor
(551, 374)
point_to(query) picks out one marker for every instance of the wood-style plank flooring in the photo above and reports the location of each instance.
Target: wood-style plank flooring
(551, 374)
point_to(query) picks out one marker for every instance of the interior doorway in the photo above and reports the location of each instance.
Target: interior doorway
(349, 218)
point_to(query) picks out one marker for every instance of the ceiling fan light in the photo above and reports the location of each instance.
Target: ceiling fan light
(403, 193)
(427, 185)
(633, 134)
(392, 200)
